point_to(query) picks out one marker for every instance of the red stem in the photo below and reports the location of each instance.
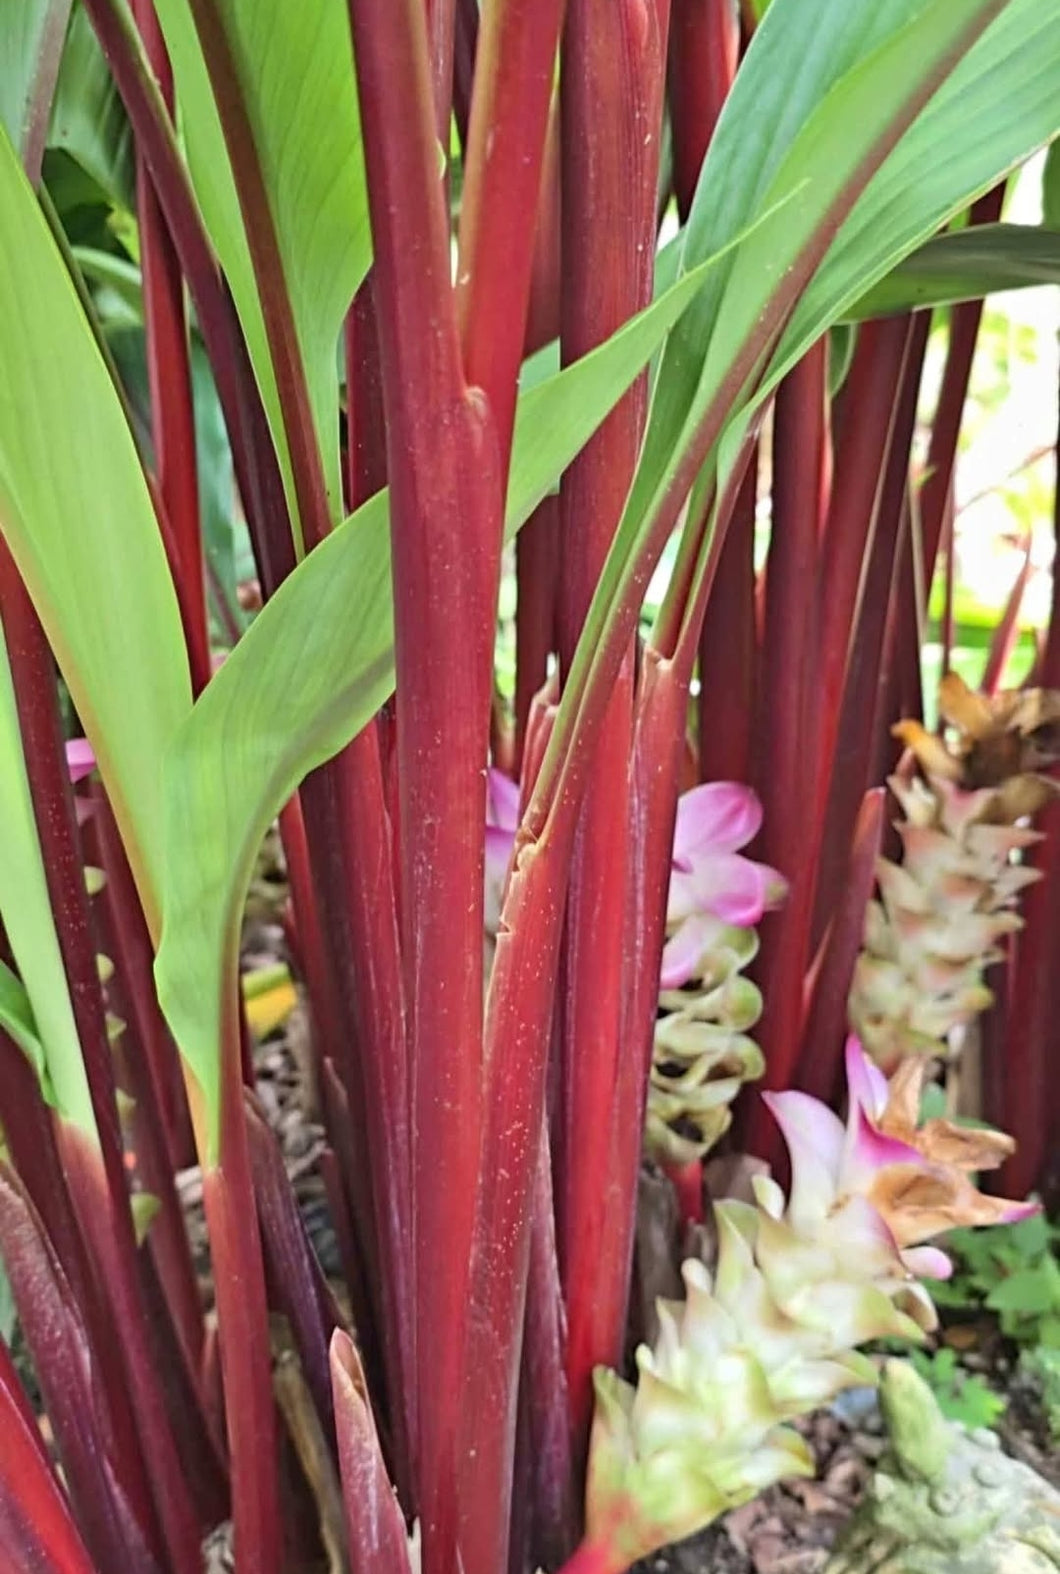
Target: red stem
(553, 1479)
(445, 521)
(375, 1009)
(465, 46)
(103, 1476)
(704, 49)
(1035, 1000)
(296, 1281)
(441, 22)
(727, 653)
(801, 482)
(828, 985)
(687, 1181)
(946, 424)
(373, 1519)
(851, 765)
(372, 915)
(514, 69)
(535, 611)
(1029, 1102)
(785, 766)
(97, 1175)
(542, 316)
(242, 1320)
(655, 769)
(37, 1529)
(134, 955)
(1006, 635)
(366, 420)
(253, 451)
(593, 1557)
(155, 1163)
(864, 429)
(169, 378)
(610, 111)
(264, 247)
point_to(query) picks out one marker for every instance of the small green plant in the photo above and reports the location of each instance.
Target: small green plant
(961, 1395)
(1042, 1366)
(1013, 1272)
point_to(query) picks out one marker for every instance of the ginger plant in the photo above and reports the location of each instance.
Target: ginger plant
(773, 1330)
(967, 800)
(702, 1053)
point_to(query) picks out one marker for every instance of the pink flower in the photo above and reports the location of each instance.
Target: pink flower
(915, 1177)
(502, 820)
(80, 760)
(711, 884)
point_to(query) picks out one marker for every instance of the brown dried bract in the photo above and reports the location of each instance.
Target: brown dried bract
(1001, 742)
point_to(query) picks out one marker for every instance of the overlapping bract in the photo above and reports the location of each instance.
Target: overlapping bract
(702, 1051)
(944, 910)
(773, 1332)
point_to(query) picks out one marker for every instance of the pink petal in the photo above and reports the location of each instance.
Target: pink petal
(84, 809)
(731, 887)
(815, 1139)
(927, 1262)
(80, 760)
(682, 900)
(866, 1083)
(1020, 1210)
(682, 952)
(499, 844)
(869, 1151)
(502, 800)
(717, 817)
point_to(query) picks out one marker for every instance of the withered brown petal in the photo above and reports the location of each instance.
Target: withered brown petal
(932, 754)
(963, 708)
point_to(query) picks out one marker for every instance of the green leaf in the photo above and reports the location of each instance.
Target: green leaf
(557, 415)
(1000, 103)
(36, 1011)
(117, 275)
(18, 1022)
(225, 538)
(314, 666)
(967, 265)
(788, 70)
(295, 68)
(1051, 188)
(76, 514)
(1031, 1237)
(8, 1314)
(25, 26)
(1029, 1291)
(88, 118)
(810, 110)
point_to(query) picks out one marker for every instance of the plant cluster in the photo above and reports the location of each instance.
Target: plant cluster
(312, 318)
(1013, 1272)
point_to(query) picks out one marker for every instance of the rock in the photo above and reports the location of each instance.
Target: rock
(946, 1500)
